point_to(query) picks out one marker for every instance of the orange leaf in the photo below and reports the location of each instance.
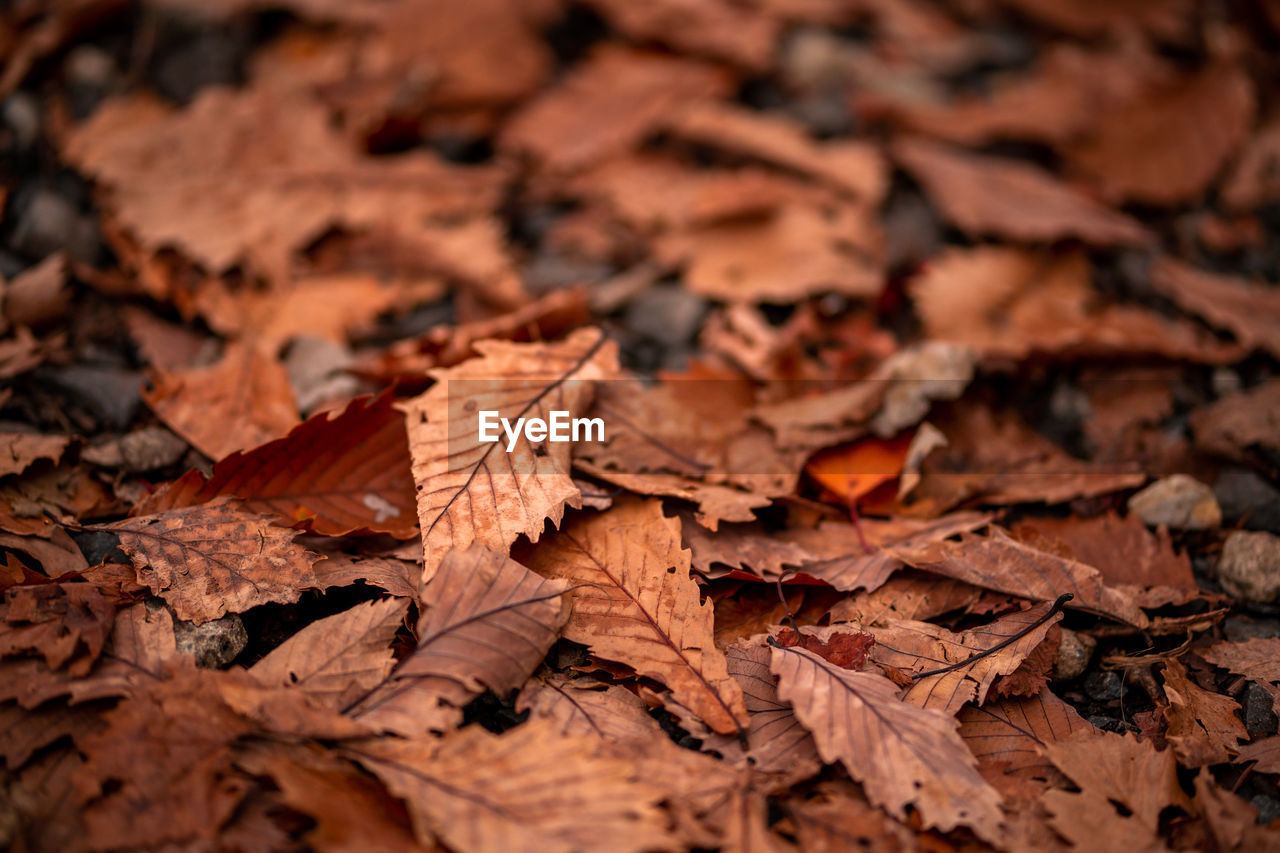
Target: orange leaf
(857, 469)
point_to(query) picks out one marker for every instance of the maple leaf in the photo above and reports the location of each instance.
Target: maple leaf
(488, 623)
(214, 559)
(635, 602)
(338, 474)
(474, 491)
(529, 789)
(241, 401)
(337, 658)
(903, 755)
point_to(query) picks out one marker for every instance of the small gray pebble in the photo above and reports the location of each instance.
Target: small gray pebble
(213, 644)
(1106, 686)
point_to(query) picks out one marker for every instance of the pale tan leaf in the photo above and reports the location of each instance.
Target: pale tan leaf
(582, 706)
(903, 755)
(777, 744)
(487, 624)
(529, 789)
(1003, 564)
(242, 401)
(635, 602)
(214, 559)
(337, 658)
(474, 491)
(1011, 733)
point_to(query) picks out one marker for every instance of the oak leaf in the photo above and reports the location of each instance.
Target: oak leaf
(241, 401)
(474, 491)
(529, 789)
(337, 658)
(902, 755)
(635, 602)
(336, 474)
(213, 559)
(487, 624)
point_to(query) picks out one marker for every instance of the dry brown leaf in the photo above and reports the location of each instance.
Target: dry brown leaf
(747, 827)
(336, 474)
(242, 401)
(1232, 822)
(1264, 753)
(918, 647)
(606, 105)
(715, 503)
(635, 602)
(908, 595)
(799, 251)
(853, 167)
(1008, 302)
(1167, 19)
(716, 29)
(1011, 734)
(1001, 563)
(352, 812)
(1257, 660)
(487, 624)
(1255, 180)
(23, 733)
(1168, 146)
(18, 450)
(902, 755)
(1201, 726)
(582, 706)
(213, 559)
(188, 180)
(840, 819)
(777, 745)
(1111, 768)
(473, 491)
(1251, 312)
(1006, 198)
(396, 576)
(65, 624)
(337, 659)
(529, 789)
(1240, 424)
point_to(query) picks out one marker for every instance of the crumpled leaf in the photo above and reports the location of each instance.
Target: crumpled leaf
(213, 559)
(635, 603)
(18, 450)
(487, 624)
(902, 755)
(337, 474)
(529, 789)
(472, 491)
(1201, 725)
(337, 658)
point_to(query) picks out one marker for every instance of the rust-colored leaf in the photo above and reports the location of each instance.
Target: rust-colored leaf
(903, 755)
(474, 491)
(636, 603)
(1011, 733)
(241, 401)
(488, 622)
(337, 658)
(335, 474)
(214, 559)
(529, 789)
